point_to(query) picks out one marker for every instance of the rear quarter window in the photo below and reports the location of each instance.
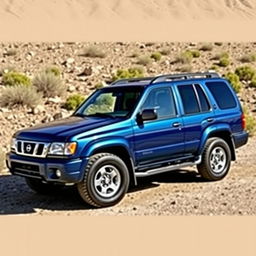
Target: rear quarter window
(222, 94)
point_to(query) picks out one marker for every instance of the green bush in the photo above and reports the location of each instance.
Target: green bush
(54, 70)
(250, 122)
(194, 53)
(99, 85)
(2, 159)
(253, 82)
(184, 58)
(165, 51)
(214, 67)
(20, 95)
(74, 101)
(128, 73)
(49, 84)
(234, 81)
(248, 58)
(156, 56)
(15, 78)
(245, 73)
(93, 52)
(206, 47)
(224, 62)
(221, 55)
(144, 60)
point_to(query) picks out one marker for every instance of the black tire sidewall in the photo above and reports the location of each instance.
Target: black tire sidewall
(121, 167)
(218, 143)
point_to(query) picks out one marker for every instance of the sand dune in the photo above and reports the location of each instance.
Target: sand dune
(48, 17)
(124, 9)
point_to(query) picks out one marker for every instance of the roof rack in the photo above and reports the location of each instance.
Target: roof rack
(169, 77)
(133, 80)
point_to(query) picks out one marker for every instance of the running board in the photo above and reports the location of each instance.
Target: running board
(167, 168)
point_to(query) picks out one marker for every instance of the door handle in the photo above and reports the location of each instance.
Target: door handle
(209, 120)
(177, 124)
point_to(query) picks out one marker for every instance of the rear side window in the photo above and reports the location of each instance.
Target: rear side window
(202, 98)
(189, 99)
(222, 94)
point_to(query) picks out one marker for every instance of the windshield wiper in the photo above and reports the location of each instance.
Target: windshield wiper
(100, 115)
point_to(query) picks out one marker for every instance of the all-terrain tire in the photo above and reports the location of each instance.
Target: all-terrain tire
(94, 183)
(216, 160)
(42, 188)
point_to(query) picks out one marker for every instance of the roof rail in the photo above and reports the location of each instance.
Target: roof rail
(133, 80)
(171, 77)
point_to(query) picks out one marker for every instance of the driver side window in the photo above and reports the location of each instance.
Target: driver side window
(162, 100)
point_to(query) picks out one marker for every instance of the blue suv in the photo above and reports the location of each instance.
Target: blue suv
(134, 128)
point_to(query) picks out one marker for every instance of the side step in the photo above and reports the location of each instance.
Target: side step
(167, 168)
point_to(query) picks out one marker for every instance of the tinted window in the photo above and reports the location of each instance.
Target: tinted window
(162, 100)
(189, 99)
(202, 98)
(222, 94)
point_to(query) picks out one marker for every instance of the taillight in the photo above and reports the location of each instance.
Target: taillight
(243, 121)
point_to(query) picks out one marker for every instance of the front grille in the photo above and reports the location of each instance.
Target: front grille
(31, 148)
(25, 169)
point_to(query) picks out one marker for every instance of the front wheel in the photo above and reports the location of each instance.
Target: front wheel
(216, 160)
(106, 180)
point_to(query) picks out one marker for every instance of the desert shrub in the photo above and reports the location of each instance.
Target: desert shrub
(144, 60)
(221, 55)
(49, 84)
(165, 51)
(20, 95)
(185, 68)
(10, 52)
(253, 82)
(128, 73)
(245, 73)
(2, 159)
(156, 56)
(54, 70)
(93, 52)
(15, 78)
(74, 101)
(223, 62)
(248, 58)
(134, 55)
(99, 85)
(184, 58)
(250, 122)
(194, 53)
(218, 43)
(206, 47)
(214, 67)
(234, 81)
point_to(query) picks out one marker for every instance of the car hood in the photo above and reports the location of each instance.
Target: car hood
(63, 129)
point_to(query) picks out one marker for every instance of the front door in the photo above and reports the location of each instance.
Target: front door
(161, 139)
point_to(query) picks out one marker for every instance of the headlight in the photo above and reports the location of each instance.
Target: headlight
(13, 144)
(58, 148)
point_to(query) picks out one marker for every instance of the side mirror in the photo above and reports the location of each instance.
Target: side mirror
(148, 114)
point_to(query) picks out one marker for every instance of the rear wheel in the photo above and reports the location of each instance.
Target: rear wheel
(42, 188)
(105, 182)
(216, 160)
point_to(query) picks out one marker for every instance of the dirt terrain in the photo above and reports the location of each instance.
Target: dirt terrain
(176, 193)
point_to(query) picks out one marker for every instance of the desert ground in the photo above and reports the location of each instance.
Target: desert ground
(176, 193)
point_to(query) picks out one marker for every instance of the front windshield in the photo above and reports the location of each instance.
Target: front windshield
(112, 102)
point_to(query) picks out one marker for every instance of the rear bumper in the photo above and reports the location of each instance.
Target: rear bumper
(72, 170)
(240, 139)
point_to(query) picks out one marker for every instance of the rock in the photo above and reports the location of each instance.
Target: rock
(38, 109)
(86, 72)
(54, 100)
(71, 88)
(68, 61)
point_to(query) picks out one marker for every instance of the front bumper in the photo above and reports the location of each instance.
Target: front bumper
(72, 170)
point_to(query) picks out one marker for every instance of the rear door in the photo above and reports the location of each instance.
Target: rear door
(161, 139)
(197, 114)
